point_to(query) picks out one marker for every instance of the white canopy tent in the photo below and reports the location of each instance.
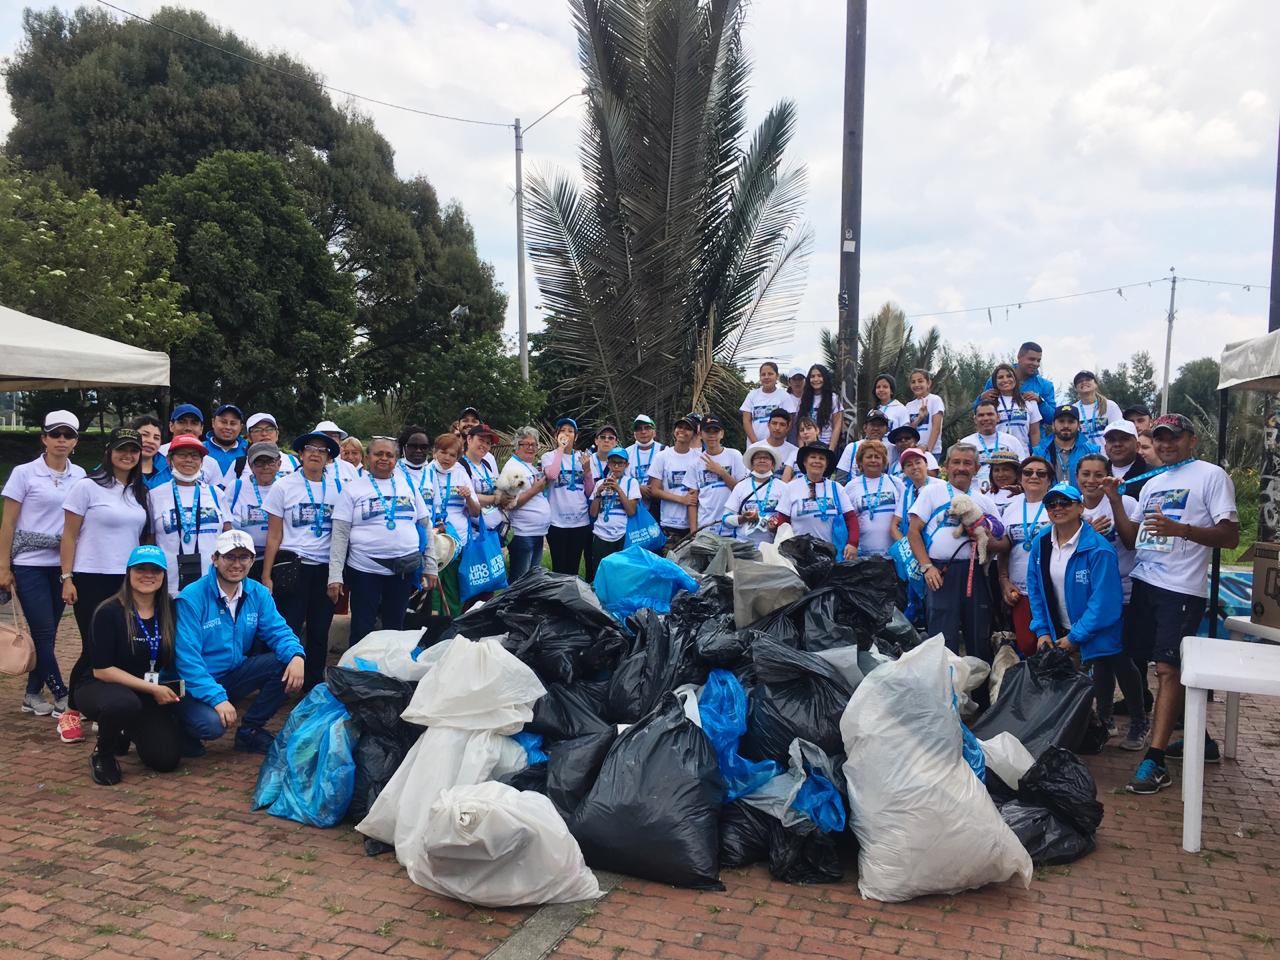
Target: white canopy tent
(1251, 364)
(38, 355)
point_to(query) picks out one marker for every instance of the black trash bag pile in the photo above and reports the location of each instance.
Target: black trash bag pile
(553, 622)
(573, 768)
(813, 558)
(661, 660)
(708, 552)
(1044, 702)
(714, 598)
(654, 809)
(567, 711)
(853, 604)
(798, 695)
(1057, 811)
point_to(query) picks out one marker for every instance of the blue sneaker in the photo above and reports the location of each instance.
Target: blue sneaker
(1150, 778)
(253, 741)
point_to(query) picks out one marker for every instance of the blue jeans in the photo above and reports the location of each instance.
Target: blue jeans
(957, 616)
(263, 673)
(40, 593)
(523, 554)
(377, 596)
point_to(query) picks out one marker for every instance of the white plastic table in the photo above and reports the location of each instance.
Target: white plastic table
(1234, 668)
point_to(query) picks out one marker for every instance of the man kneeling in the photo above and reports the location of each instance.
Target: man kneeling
(219, 618)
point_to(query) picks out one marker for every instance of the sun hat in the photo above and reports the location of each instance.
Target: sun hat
(330, 444)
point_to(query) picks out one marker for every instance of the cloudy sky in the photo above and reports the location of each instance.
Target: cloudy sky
(1014, 150)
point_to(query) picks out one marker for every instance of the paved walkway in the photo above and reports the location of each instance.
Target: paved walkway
(179, 866)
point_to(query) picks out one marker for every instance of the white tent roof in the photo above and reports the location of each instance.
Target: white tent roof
(38, 355)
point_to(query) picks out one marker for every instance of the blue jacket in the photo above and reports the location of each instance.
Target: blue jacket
(1041, 387)
(1082, 447)
(225, 458)
(1095, 597)
(210, 643)
(160, 473)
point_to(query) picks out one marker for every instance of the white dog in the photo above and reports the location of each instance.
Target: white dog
(512, 482)
(972, 523)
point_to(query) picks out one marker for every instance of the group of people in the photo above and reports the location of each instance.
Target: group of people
(211, 566)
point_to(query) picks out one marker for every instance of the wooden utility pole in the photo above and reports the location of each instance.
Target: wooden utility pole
(855, 76)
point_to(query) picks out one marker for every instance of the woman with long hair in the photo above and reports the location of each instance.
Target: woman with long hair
(30, 536)
(104, 517)
(155, 469)
(885, 389)
(1096, 411)
(1024, 516)
(1016, 416)
(821, 403)
(120, 686)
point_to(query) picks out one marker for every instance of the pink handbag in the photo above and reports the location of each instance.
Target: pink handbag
(17, 649)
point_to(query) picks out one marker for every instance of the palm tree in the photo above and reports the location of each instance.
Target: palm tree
(681, 257)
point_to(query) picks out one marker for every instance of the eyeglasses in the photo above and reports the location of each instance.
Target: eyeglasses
(314, 448)
(1035, 473)
(61, 434)
(239, 557)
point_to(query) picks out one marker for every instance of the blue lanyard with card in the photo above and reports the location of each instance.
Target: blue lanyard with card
(153, 646)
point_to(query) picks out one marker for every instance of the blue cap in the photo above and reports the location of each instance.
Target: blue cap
(229, 408)
(617, 452)
(1067, 410)
(567, 422)
(1064, 489)
(182, 409)
(147, 554)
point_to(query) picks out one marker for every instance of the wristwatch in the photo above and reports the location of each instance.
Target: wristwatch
(926, 568)
(63, 578)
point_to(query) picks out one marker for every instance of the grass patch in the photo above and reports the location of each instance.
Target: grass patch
(228, 936)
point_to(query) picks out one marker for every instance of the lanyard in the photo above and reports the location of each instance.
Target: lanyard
(909, 493)
(987, 451)
(188, 522)
(152, 638)
(866, 495)
(1027, 530)
(258, 496)
(1155, 473)
(440, 505)
(610, 500)
(1006, 409)
(823, 515)
(1092, 422)
(317, 521)
(421, 485)
(488, 477)
(761, 505)
(388, 507)
(642, 469)
(573, 468)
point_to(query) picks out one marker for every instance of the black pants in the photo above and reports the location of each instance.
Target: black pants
(124, 715)
(957, 616)
(91, 590)
(309, 612)
(1106, 671)
(569, 547)
(599, 550)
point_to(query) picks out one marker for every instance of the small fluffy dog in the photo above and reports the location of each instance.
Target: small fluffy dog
(513, 481)
(972, 522)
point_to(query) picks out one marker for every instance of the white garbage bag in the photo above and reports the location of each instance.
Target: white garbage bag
(390, 652)
(496, 846)
(925, 824)
(476, 685)
(967, 674)
(1007, 758)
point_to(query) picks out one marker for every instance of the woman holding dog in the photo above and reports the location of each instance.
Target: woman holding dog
(530, 518)
(1024, 516)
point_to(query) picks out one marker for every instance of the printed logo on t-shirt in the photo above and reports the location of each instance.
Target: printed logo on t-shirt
(255, 515)
(874, 500)
(760, 412)
(1171, 503)
(810, 506)
(210, 520)
(370, 508)
(675, 478)
(304, 515)
(710, 479)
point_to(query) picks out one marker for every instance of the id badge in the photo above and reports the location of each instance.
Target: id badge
(151, 677)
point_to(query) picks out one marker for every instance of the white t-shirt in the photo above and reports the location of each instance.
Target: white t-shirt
(987, 446)
(366, 511)
(849, 457)
(112, 526)
(908, 498)
(1197, 493)
(299, 510)
(1126, 558)
(442, 499)
(825, 430)
(896, 412)
(1015, 419)
(533, 519)
(42, 494)
(171, 525)
(483, 475)
(766, 496)
(1021, 532)
(875, 501)
(932, 405)
(815, 513)
(247, 511)
(1001, 499)
(787, 453)
(679, 473)
(760, 404)
(642, 460)
(568, 492)
(713, 492)
(945, 546)
(347, 472)
(1093, 424)
(611, 521)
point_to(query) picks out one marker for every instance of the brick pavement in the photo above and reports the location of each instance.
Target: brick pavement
(178, 866)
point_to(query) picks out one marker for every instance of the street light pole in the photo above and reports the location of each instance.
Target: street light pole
(522, 306)
(855, 73)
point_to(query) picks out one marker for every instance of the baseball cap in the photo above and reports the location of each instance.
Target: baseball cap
(328, 426)
(712, 422)
(1084, 375)
(643, 418)
(1174, 422)
(912, 452)
(876, 415)
(564, 422)
(1067, 410)
(484, 430)
(229, 408)
(469, 410)
(617, 452)
(687, 420)
(229, 540)
(797, 372)
(897, 433)
(186, 410)
(1061, 490)
(186, 441)
(148, 553)
(1136, 410)
(61, 418)
(1121, 426)
(263, 448)
(123, 437)
(607, 427)
(257, 418)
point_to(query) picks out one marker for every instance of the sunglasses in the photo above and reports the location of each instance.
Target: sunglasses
(1035, 473)
(1060, 503)
(62, 434)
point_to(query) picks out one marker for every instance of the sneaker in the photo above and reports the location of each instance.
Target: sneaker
(1112, 729)
(1136, 738)
(253, 741)
(1150, 778)
(1211, 752)
(104, 768)
(191, 747)
(69, 729)
(37, 704)
(61, 706)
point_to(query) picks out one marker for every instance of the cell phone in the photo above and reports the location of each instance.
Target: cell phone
(178, 686)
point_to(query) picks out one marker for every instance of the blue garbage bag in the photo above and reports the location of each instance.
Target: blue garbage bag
(973, 755)
(723, 709)
(635, 578)
(820, 801)
(532, 743)
(309, 774)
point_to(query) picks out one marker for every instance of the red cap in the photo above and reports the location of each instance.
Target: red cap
(186, 441)
(911, 452)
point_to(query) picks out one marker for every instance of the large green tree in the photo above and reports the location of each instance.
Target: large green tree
(278, 314)
(681, 257)
(1132, 381)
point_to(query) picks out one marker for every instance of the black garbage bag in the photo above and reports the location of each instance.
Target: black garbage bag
(744, 834)
(709, 551)
(1044, 702)
(1061, 782)
(897, 636)
(812, 558)
(654, 809)
(573, 766)
(852, 607)
(530, 778)
(1046, 837)
(719, 643)
(749, 835)
(565, 712)
(714, 598)
(797, 695)
(662, 660)
(375, 702)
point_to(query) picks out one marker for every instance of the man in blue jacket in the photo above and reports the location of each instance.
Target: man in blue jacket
(219, 618)
(225, 445)
(1064, 446)
(1035, 388)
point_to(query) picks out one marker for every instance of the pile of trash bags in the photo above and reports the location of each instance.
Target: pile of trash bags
(758, 706)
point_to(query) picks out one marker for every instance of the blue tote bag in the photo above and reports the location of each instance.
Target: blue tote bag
(481, 568)
(643, 530)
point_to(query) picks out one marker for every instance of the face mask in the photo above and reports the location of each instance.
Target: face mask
(186, 477)
(759, 475)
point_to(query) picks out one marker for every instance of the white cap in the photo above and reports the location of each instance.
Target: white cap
(61, 418)
(1122, 426)
(797, 372)
(328, 426)
(257, 418)
(229, 540)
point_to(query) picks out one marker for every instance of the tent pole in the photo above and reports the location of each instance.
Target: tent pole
(1215, 571)
(166, 405)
